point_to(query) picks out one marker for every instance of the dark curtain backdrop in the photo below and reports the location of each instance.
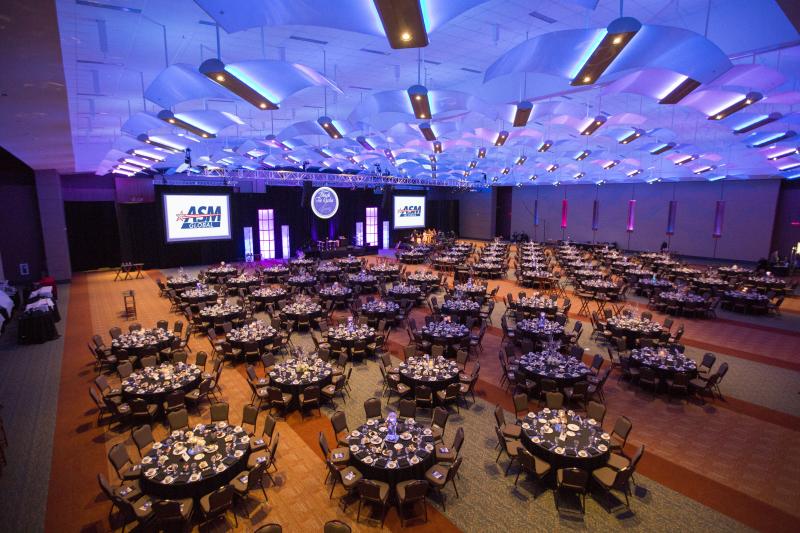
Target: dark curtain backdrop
(93, 235)
(142, 225)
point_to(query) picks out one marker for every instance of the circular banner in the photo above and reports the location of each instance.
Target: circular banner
(324, 202)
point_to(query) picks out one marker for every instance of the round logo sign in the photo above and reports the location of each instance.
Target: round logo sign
(324, 202)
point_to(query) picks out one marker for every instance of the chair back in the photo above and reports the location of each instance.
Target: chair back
(501, 440)
(372, 408)
(269, 426)
(596, 411)
(339, 422)
(139, 406)
(250, 415)
(423, 393)
(149, 361)
(336, 526)
(453, 470)
(574, 478)
(142, 436)
(175, 400)
(178, 419)
(125, 369)
(499, 416)
(219, 412)
(369, 490)
(220, 499)
(622, 427)
(637, 457)
(549, 385)
(96, 397)
(118, 456)
(520, 402)
(323, 445)
(723, 369)
(256, 474)
(708, 360)
(312, 394)
(416, 491)
(200, 359)
(554, 400)
(168, 510)
(458, 440)
(407, 409)
(440, 416)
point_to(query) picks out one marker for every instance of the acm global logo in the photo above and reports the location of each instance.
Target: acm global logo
(410, 211)
(200, 217)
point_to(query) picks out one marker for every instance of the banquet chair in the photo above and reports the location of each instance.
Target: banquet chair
(115, 394)
(532, 465)
(596, 411)
(120, 412)
(149, 361)
(619, 436)
(449, 395)
(278, 399)
(102, 408)
(310, 398)
(678, 383)
(704, 368)
(438, 423)
(115, 332)
(179, 356)
(266, 433)
(443, 454)
(512, 431)
(372, 408)
(250, 417)
(170, 512)
(344, 475)
(134, 327)
(440, 475)
(574, 480)
(123, 466)
(216, 504)
(578, 393)
(704, 387)
(406, 409)
(266, 457)
(125, 369)
(340, 457)
(554, 400)
(269, 528)
(177, 328)
(386, 360)
(408, 494)
(337, 387)
(520, 404)
(548, 385)
(375, 492)
(195, 396)
(143, 412)
(648, 378)
(340, 428)
(133, 506)
(219, 412)
(178, 420)
(143, 437)
(423, 396)
(162, 324)
(437, 350)
(174, 402)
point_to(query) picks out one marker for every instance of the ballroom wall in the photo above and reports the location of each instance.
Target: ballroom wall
(477, 214)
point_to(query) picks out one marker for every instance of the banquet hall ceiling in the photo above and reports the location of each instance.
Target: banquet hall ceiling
(127, 61)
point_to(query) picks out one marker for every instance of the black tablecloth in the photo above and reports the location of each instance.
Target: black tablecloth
(38, 327)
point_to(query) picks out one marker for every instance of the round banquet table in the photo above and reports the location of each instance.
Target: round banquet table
(223, 312)
(327, 271)
(681, 299)
(538, 329)
(423, 279)
(350, 334)
(416, 371)
(385, 270)
(665, 364)
(275, 272)
(302, 262)
(633, 328)
(447, 262)
(243, 282)
(155, 383)
(535, 305)
(412, 257)
(585, 445)
(143, 340)
(470, 289)
(258, 332)
(391, 462)
(770, 282)
(195, 296)
(380, 309)
(294, 375)
(565, 371)
(268, 294)
(220, 273)
(335, 293)
(657, 284)
(297, 310)
(179, 282)
(461, 308)
(712, 284)
(303, 280)
(489, 270)
(447, 333)
(351, 264)
(400, 291)
(363, 279)
(222, 457)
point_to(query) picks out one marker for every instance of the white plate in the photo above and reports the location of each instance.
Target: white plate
(602, 447)
(414, 459)
(194, 477)
(168, 480)
(570, 433)
(238, 453)
(199, 456)
(427, 431)
(525, 425)
(354, 448)
(537, 440)
(573, 427)
(355, 434)
(605, 436)
(559, 450)
(531, 414)
(583, 453)
(391, 464)
(368, 460)
(151, 472)
(592, 422)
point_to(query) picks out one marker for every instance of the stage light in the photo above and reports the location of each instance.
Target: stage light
(552, 167)
(782, 154)
(148, 156)
(239, 83)
(579, 175)
(545, 146)
(390, 156)
(633, 173)
(522, 114)
(756, 122)
(685, 159)
(481, 153)
(501, 138)
(506, 170)
(161, 144)
(583, 155)
(437, 147)
(632, 136)
(419, 101)
(793, 176)
(427, 131)
(521, 160)
(611, 164)
(466, 173)
(403, 22)
(774, 138)
(134, 162)
(129, 168)
(593, 124)
(122, 172)
(680, 91)
(364, 142)
(533, 177)
(472, 164)
(742, 102)
(662, 148)
(717, 178)
(168, 117)
(432, 158)
(703, 170)
(617, 36)
(329, 127)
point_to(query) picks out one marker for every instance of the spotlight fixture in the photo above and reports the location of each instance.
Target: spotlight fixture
(437, 147)
(390, 156)
(432, 158)
(774, 138)
(466, 173)
(481, 153)
(632, 136)
(717, 178)
(329, 127)
(147, 156)
(134, 162)
(506, 170)
(122, 172)
(680, 90)
(323, 152)
(419, 101)
(521, 160)
(742, 102)
(533, 177)
(427, 131)
(273, 141)
(583, 155)
(546, 145)
(662, 148)
(793, 177)
(522, 114)
(579, 175)
(633, 173)
(790, 166)
(494, 179)
(756, 122)
(168, 117)
(129, 168)
(238, 81)
(592, 125)
(703, 169)
(783, 153)
(472, 164)
(160, 144)
(364, 142)
(501, 138)
(552, 167)
(403, 23)
(611, 164)
(685, 159)
(601, 182)
(618, 34)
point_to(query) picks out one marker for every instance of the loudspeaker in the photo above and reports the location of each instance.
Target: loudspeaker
(306, 197)
(387, 194)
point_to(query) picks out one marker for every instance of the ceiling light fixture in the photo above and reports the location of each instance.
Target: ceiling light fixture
(592, 125)
(703, 170)
(149, 156)
(481, 153)
(506, 170)
(134, 162)
(329, 127)
(170, 118)
(783, 153)
(583, 155)
(418, 95)
(774, 138)
(680, 90)
(533, 177)
(685, 159)
(522, 114)
(390, 156)
(472, 164)
(427, 131)
(612, 42)
(501, 138)
(633, 173)
(403, 22)
(717, 178)
(273, 141)
(731, 108)
(632, 136)
(239, 83)
(437, 147)
(756, 122)
(662, 148)
(122, 172)
(552, 167)
(611, 164)
(790, 166)
(364, 142)
(579, 175)
(161, 144)
(546, 145)
(521, 160)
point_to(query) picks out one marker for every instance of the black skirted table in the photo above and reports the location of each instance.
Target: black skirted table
(565, 439)
(565, 371)
(36, 327)
(153, 384)
(294, 375)
(434, 372)
(142, 341)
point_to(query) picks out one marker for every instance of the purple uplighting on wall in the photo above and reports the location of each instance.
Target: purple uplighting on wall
(631, 214)
(595, 215)
(673, 211)
(564, 205)
(536, 212)
(719, 216)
